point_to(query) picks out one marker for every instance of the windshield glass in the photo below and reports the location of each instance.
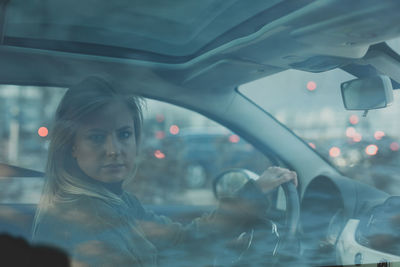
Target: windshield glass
(310, 104)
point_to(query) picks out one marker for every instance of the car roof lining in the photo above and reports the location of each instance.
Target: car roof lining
(367, 67)
(175, 29)
(301, 21)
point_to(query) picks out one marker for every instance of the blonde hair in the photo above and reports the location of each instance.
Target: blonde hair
(63, 181)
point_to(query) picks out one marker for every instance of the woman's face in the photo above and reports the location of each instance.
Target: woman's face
(105, 146)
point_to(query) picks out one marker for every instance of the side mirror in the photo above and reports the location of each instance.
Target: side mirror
(367, 93)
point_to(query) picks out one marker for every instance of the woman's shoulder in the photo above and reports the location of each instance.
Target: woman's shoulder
(78, 202)
(65, 223)
(92, 212)
(80, 210)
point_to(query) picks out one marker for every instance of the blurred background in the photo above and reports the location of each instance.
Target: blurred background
(181, 150)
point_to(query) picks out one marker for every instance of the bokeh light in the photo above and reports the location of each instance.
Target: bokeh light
(311, 86)
(353, 119)
(160, 134)
(234, 138)
(43, 132)
(312, 145)
(350, 132)
(334, 152)
(357, 137)
(160, 118)
(371, 150)
(158, 154)
(394, 146)
(378, 135)
(174, 129)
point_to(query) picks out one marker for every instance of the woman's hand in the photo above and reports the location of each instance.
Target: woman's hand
(274, 177)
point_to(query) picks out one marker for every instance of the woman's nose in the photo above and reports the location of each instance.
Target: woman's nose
(113, 147)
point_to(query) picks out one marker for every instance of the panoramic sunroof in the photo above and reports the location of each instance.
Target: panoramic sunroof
(175, 28)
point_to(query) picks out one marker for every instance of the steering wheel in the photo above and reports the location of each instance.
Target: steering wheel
(229, 183)
(292, 208)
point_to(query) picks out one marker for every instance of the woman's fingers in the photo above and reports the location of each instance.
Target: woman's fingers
(275, 176)
(288, 176)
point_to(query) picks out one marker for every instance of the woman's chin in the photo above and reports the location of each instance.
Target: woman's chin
(109, 178)
(113, 179)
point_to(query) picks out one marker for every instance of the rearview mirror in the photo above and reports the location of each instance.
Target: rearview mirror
(367, 93)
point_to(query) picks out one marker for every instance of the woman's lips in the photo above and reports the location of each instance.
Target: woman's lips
(114, 167)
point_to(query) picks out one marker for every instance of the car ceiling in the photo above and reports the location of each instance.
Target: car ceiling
(186, 46)
(171, 28)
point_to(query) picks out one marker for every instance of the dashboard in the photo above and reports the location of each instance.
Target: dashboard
(344, 221)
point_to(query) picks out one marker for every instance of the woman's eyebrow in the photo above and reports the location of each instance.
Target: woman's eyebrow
(126, 127)
(95, 130)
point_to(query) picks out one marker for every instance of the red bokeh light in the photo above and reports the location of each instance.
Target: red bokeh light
(350, 132)
(357, 137)
(334, 152)
(160, 134)
(394, 146)
(378, 135)
(234, 138)
(174, 129)
(158, 154)
(371, 150)
(311, 86)
(43, 132)
(353, 119)
(312, 145)
(160, 118)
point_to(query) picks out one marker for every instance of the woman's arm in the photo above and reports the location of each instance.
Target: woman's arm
(227, 219)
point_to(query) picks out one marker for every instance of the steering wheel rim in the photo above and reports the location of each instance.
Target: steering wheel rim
(292, 215)
(292, 208)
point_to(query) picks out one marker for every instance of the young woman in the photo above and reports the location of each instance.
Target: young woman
(84, 208)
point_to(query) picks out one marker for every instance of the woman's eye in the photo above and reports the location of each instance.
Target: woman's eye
(125, 134)
(97, 138)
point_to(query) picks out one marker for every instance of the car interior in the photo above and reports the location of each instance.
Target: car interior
(196, 55)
